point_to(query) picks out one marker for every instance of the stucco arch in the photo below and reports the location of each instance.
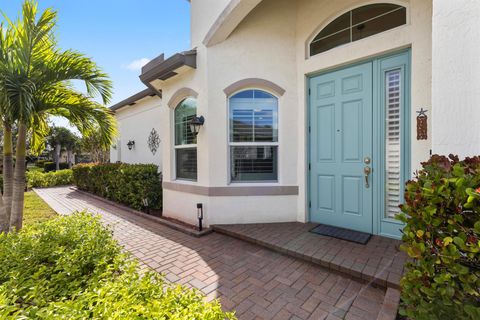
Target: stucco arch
(341, 10)
(179, 95)
(229, 19)
(256, 83)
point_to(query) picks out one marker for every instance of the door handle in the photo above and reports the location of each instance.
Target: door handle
(367, 170)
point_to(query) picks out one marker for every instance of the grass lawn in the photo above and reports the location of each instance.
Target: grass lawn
(36, 210)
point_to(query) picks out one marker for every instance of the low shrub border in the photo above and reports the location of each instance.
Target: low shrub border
(72, 268)
(128, 184)
(442, 235)
(51, 166)
(37, 179)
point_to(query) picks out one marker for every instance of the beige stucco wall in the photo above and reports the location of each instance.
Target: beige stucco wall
(271, 44)
(456, 77)
(135, 123)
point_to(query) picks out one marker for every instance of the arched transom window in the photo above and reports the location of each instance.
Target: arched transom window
(358, 24)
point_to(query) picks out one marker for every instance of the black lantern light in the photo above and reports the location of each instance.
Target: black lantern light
(130, 144)
(200, 215)
(196, 124)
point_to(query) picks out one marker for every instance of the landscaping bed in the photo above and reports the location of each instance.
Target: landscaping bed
(72, 268)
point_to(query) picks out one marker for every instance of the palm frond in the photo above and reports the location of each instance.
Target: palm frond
(86, 115)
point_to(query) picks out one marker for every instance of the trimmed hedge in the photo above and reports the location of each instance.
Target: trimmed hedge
(37, 179)
(128, 184)
(51, 166)
(442, 235)
(71, 268)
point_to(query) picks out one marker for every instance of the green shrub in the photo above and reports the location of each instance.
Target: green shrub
(123, 183)
(37, 179)
(40, 163)
(51, 166)
(442, 232)
(72, 268)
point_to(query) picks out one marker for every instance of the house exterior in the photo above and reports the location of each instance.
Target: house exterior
(315, 110)
(139, 123)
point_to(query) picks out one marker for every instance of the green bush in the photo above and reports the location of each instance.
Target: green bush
(40, 163)
(37, 179)
(442, 232)
(51, 166)
(72, 268)
(123, 183)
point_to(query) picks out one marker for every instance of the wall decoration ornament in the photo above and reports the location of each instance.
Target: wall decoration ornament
(422, 125)
(153, 141)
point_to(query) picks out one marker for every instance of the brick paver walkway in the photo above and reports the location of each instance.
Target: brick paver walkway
(254, 281)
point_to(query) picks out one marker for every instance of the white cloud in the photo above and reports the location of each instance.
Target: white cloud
(136, 65)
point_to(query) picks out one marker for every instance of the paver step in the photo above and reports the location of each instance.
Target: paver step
(385, 276)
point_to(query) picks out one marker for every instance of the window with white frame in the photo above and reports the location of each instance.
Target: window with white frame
(185, 140)
(253, 122)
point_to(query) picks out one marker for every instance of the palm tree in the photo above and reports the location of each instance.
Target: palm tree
(35, 81)
(61, 138)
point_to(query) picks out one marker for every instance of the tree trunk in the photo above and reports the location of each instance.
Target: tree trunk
(16, 218)
(7, 168)
(57, 156)
(69, 159)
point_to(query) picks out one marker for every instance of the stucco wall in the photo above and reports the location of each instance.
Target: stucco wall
(135, 123)
(456, 77)
(270, 43)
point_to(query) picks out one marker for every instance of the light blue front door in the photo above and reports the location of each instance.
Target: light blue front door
(341, 135)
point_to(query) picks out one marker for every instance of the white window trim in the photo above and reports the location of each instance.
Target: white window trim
(252, 144)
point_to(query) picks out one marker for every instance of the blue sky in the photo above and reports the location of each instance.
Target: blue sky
(119, 34)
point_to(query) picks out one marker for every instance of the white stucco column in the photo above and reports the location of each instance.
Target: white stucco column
(456, 77)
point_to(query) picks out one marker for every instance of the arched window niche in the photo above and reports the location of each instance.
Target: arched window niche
(358, 24)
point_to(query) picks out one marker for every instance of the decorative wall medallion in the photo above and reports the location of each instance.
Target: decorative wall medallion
(422, 125)
(153, 141)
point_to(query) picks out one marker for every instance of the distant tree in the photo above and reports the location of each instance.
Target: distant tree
(98, 151)
(62, 139)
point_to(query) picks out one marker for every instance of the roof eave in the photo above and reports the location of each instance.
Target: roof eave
(165, 69)
(133, 99)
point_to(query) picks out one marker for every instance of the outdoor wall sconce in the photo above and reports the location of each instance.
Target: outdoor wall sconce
(200, 216)
(196, 124)
(130, 144)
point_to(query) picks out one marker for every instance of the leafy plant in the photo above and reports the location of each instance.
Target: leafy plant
(51, 166)
(442, 235)
(36, 179)
(72, 268)
(129, 184)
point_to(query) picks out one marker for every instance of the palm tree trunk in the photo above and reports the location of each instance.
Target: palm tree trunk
(16, 218)
(7, 168)
(69, 159)
(57, 156)
(4, 219)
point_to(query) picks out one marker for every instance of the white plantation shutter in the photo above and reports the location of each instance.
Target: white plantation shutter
(393, 190)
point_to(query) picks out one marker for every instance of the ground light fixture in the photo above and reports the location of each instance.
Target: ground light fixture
(130, 144)
(196, 124)
(145, 205)
(200, 216)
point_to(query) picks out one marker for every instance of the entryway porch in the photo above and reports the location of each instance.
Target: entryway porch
(379, 261)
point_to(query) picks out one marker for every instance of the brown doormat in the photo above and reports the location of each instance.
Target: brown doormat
(341, 233)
